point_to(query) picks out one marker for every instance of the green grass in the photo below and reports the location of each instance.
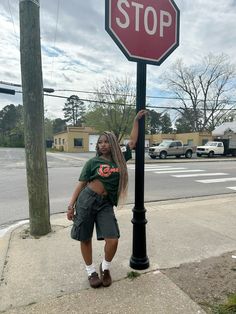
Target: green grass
(227, 308)
(132, 275)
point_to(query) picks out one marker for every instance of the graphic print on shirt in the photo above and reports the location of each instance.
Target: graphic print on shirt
(106, 170)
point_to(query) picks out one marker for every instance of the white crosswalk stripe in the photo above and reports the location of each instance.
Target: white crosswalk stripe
(231, 188)
(217, 180)
(177, 171)
(132, 167)
(206, 174)
(183, 172)
(166, 169)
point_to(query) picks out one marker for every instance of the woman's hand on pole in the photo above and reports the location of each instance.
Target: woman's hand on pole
(140, 114)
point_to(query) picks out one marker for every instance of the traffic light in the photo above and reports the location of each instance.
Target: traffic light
(7, 91)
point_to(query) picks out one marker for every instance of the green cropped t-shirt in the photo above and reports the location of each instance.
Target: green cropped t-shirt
(106, 172)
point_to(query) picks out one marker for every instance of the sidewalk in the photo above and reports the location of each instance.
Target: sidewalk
(47, 275)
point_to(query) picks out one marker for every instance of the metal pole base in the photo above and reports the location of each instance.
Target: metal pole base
(139, 263)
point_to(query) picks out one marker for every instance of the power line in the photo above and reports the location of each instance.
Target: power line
(118, 94)
(55, 35)
(130, 95)
(57, 18)
(101, 93)
(132, 105)
(165, 108)
(12, 20)
(10, 84)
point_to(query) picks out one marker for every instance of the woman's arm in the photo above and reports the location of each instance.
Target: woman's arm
(78, 189)
(134, 131)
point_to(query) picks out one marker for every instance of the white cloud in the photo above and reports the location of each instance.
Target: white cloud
(77, 53)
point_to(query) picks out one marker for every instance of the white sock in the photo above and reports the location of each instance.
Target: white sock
(90, 269)
(105, 265)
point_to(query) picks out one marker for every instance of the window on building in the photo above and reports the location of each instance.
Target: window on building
(59, 141)
(78, 142)
(63, 141)
(190, 142)
(55, 141)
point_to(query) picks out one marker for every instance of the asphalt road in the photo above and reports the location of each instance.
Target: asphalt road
(171, 179)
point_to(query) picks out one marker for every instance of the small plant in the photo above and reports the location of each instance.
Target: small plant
(132, 275)
(228, 308)
(25, 233)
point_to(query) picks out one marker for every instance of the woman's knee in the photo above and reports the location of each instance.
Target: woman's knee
(86, 243)
(111, 242)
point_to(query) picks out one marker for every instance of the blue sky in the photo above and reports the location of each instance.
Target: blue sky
(77, 53)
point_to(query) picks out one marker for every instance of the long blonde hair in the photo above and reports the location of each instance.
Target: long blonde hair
(119, 159)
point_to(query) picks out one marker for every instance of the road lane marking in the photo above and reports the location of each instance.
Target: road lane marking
(216, 180)
(151, 167)
(161, 168)
(231, 188)
(167, 169)
(199, 175)
(178, 171)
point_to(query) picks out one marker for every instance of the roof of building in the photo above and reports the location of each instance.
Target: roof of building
(226, 127)
(83, 129)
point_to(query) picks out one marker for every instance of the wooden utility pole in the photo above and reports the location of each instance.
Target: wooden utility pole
(32, 86)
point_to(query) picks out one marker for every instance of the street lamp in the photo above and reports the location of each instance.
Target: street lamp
(7, 91)
(48, 90)
(13, 92)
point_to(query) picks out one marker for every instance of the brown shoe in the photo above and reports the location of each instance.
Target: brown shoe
(105, 277)
(94, 280)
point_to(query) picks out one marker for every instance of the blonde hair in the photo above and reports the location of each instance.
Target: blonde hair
(119, 159)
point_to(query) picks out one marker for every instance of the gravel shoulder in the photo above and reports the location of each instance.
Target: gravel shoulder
(208, 282)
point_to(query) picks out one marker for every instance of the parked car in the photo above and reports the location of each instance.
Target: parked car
(171, 148)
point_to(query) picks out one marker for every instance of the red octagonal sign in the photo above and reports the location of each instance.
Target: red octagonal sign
(145, 30)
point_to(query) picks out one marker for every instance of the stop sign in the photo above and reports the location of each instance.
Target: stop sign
(145, 30)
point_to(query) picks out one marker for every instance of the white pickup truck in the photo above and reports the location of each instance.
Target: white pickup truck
(210, 149)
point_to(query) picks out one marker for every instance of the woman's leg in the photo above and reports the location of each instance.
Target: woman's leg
(110, 248)
(110, 251)
(86, 250)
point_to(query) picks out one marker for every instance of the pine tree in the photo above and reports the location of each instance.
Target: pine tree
(74, 110)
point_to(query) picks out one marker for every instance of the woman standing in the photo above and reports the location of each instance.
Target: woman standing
(102, 183)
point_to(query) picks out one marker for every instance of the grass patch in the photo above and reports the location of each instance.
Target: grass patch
(133, 274)
(227, 308)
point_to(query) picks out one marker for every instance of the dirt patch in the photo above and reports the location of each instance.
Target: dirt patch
(208, 282)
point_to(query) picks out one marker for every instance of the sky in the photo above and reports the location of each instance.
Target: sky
(78, 54)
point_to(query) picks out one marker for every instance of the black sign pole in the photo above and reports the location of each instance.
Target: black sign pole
(139, 259)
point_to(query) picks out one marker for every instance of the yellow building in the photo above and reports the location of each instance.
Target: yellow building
(194, 139)
(76, 140)
(84, 139)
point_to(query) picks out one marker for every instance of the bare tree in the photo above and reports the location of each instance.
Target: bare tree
(114, 108)
(206, 88)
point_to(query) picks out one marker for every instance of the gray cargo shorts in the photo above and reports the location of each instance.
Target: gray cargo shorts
(92, 208)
